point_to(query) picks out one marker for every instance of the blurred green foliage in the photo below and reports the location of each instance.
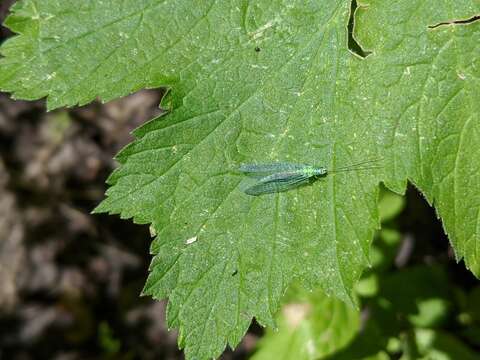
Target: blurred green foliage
(107, 340)
(407, 312)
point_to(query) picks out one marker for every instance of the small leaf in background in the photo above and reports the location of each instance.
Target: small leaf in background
(385, 248)
(310, 326)
(438, 345)
(432, 312)
(424, 297)
(390, 205)
(388, 238)
(367, 286)
(107, 340)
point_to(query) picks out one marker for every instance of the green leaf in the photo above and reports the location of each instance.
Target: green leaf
(369, 344)
(310, 326)
(256, 82)
(438, 345)
(390, 205)
(387, 240)
(431, 313)
(367, 286)
(425, 302)
(385, 249)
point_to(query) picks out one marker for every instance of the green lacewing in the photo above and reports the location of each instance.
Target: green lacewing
(282, 176)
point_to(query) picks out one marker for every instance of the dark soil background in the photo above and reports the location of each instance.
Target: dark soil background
(70, 281)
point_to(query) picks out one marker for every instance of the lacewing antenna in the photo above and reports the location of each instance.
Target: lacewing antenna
(360, 166)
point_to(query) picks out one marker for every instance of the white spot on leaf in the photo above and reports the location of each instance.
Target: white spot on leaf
(191, 240)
